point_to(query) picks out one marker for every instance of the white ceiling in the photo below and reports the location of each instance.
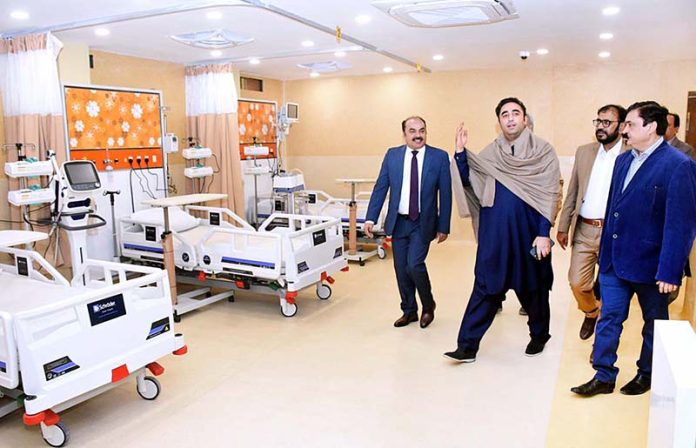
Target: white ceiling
(643, 30)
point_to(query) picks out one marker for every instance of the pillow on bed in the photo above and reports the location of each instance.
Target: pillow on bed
(179, 220)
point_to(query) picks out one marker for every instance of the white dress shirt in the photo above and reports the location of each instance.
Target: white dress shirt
(594, 204)
(639, 159)
(406, 182)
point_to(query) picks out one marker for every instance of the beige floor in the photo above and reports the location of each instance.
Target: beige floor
(339, 375)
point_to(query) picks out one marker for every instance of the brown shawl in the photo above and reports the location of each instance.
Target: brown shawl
(533, 174)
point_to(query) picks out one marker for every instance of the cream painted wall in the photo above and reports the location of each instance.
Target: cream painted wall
(73, 63)
(348, 123)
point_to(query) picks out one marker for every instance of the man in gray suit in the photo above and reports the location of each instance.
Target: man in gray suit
(584, 208)
(671, 136)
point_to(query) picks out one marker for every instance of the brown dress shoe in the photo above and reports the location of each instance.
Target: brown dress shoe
(587, 327)
(427, 317)
(406, 319)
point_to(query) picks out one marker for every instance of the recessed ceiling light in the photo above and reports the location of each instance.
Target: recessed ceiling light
(313, 74)
(216, 53)
(254, 61)
(438, 57)
(307, 43)
(19, 15)
(387, 69)
(101, 32)
(340, 54)
(213, 15)
(604, 54)
(542, 51)
(611, 10)
(363, 19)
(606, 36)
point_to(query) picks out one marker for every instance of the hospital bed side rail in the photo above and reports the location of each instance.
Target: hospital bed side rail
(9, 367)
(314, 248)
(70, 348)
(135, 245)
(30, 255)
(265, 264)
(224, 211)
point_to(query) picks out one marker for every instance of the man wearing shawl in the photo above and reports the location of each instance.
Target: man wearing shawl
(511, 191)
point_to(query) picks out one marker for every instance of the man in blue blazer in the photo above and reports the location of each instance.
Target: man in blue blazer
(649, 229)
(417, 177)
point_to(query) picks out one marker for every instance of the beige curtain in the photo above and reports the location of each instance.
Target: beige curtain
(212, 120)
(25, 122)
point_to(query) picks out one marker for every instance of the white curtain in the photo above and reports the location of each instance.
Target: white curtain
(210, 92)
(29, 81)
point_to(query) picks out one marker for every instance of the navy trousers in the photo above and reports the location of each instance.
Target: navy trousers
(409, 251)
(616, 300)
(481, 309)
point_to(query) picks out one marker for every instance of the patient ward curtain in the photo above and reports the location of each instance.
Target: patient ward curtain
(211, 110)
(31, 99)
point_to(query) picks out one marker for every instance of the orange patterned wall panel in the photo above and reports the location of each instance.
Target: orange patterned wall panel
(256, 119)
(127, 123)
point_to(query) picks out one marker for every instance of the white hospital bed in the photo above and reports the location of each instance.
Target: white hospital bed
(317, 202)
(285, 255)
(64, 342)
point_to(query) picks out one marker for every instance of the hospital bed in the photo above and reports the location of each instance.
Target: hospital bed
(63, 342)
(215, 247)
(317, 202)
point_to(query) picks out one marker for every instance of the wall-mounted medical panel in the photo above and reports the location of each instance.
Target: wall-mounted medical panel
(256, 121)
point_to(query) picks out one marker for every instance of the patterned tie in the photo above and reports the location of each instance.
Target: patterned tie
(413, 199)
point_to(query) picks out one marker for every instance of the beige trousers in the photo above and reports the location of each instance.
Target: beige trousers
(583, 260)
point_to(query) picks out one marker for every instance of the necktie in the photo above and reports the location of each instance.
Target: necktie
(413, 199)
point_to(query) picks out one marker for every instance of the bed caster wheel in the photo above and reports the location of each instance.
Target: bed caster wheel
(361, 262)
(381, 253)
(324, 292)
(230, 299)
(288, 310)
(55, 435)
(150, 389)
(177, 318)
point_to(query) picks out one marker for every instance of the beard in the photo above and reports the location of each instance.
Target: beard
(605, 137)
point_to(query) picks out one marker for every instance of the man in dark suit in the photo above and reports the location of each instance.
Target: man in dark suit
(649, 228)
(673, 123)
(417, 177)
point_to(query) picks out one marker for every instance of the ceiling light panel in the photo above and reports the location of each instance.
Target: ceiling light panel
(446, 13)
(219, 38)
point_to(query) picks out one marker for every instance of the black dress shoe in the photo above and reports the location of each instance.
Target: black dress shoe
(427, 317)
(594, 387)
(406, 319)
(637, 386)
(587, 327)
(461, 355)
(536, 346)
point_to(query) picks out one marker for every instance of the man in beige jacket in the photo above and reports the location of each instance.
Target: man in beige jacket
(582, 215)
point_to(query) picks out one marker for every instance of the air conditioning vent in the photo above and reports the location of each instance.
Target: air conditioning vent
(214, 39)
(446, 13)
(326, 67)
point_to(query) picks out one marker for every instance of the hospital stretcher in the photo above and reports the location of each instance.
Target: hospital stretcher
(285, 255)
(317, 202)
(63, 342)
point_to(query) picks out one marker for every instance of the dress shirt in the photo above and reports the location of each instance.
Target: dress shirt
(638, 160)
(406, 182)
(594, 204)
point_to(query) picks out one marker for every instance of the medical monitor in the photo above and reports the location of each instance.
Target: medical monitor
(291, 111)
(82, 175)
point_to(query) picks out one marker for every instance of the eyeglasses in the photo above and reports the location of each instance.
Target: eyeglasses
(603, 123)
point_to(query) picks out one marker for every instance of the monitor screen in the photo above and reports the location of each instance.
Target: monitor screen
(82, 175)
(292, 111)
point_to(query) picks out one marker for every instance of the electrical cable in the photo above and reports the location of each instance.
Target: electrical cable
(130, 184)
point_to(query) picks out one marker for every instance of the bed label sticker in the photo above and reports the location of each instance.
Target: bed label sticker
(157, 328)
(23, 266)
(106, 309)
(338, 252)
(150, 233)
(301, 267)
(3, 367)
(319, 237)
(312, 198)
(214, 218)
(59, 367)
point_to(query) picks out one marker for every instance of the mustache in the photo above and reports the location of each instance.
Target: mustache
(418, 139)
(625, 135)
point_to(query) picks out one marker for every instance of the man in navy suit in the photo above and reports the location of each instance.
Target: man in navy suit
(650, 224)
(417, 177)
